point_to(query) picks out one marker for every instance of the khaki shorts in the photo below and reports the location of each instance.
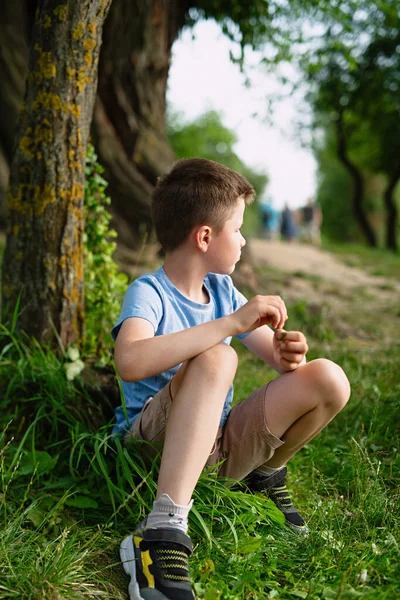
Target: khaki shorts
(244, 443)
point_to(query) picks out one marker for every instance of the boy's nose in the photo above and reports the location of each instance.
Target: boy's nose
(243, 242)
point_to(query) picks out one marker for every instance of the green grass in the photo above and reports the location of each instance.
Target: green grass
(375, 261)
(68, 493)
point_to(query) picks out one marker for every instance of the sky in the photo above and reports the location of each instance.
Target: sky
(202, 78)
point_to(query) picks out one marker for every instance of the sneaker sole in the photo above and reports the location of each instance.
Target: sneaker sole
(127, 554)
(300, 530)
(128, 558)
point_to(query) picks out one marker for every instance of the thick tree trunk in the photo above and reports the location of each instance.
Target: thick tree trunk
(42, 266)
(16, 19)
(391, 213)
(129, 118)
(358, 184)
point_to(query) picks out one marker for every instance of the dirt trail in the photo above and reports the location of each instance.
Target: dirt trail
(349, 297)
(297, 258)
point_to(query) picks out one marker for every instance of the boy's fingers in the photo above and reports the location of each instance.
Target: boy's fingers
(294, 336)
(281, 334)
(288, 346)
(291, 357)
(289, 364)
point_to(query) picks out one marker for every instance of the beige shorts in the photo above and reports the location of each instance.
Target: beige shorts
(244, 443)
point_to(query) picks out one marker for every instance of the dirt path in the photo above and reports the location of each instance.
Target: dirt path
(300, 259)
(350, 298)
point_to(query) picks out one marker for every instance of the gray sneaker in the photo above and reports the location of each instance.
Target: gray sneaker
(157, 562)
(275, 488)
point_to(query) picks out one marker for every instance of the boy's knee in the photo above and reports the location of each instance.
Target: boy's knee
(218, 361)
(331, 382)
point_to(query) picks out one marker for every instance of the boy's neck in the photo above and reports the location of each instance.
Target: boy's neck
(186, 272)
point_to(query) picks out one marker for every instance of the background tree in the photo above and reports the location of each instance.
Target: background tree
(16, 21)
(129, 129)
(44, 238)
(353, 75)
(42, 266)
(378, 103)
(335, 189)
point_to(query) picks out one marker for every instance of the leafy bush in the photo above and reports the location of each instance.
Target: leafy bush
(105, 285)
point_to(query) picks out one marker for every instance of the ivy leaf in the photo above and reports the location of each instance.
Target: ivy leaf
(81, 502)
(38, 461)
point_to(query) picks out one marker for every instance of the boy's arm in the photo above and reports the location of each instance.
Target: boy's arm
(139, 354)
(283, 350)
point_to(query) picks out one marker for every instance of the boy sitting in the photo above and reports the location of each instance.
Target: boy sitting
(176, 364)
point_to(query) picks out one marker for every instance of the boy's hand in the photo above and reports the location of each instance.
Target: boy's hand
(290, 349)
(260, 310)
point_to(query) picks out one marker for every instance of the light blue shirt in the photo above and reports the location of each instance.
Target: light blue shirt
(153, 297)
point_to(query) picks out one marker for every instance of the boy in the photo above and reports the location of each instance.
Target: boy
(173, 355)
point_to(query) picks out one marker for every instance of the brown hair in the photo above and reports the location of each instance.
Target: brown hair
(195, 192)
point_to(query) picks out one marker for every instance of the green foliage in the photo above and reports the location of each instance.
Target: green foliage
(207, 137)
(69, 493)
(352, 68)
(334, 193)
(104, 284)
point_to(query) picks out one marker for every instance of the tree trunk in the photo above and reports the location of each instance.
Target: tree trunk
(42, 266)
(16, 19)
(391, 213)
(129, 119)
(358, 184)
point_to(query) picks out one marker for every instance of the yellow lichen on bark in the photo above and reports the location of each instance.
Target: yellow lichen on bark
(79, 31)
(87, 57)
(92, 28)
(49, 102)
(31, 199)
(54, 102)
(89, 45)
(43, 135)
(61, 12)
(75, 110)
(25, 145)
(81, 77)
(73, 163)
(46, 197)
(46, 21)
(47, 69)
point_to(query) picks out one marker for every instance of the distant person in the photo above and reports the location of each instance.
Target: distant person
(173, 355)
(270, 221)
(311, 223)
(288, 225)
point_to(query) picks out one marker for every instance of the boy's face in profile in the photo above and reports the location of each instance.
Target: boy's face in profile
(225, 248)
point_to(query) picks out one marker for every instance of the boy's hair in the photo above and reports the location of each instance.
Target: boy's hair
(195, 192)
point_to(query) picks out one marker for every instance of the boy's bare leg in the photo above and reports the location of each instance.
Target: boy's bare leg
(297, 406)
(199, 391)
(301, 403)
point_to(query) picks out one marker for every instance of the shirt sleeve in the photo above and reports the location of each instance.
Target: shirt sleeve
(238, 300)
(142, 300)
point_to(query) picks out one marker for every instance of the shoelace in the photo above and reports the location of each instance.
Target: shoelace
(281, 494)
(173, 559)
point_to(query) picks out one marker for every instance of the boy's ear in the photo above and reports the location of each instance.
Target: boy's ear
(203, 237)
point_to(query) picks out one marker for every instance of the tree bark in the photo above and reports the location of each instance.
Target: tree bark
(16, 20)
(391, 212)
(128, 125)
(358, 184)
(129, 119)
(43, 261)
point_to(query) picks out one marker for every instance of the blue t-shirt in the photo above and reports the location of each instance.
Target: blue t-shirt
(153, 297)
